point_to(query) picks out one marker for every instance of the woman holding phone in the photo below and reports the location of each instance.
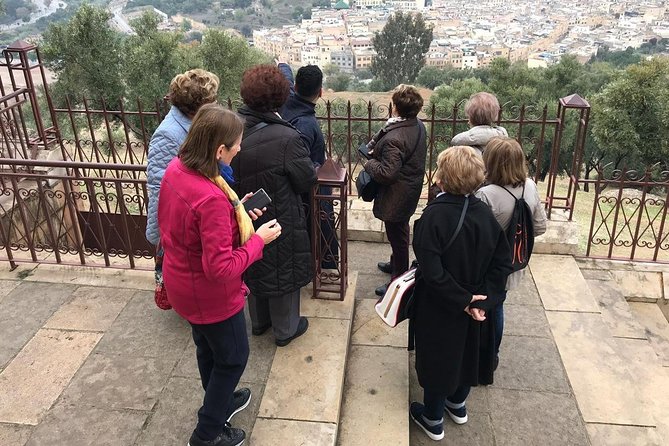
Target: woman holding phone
(209, 242)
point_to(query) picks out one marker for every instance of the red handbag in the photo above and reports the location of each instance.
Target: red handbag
(160, 293)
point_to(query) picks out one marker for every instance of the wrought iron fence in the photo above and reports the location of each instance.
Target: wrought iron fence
(74, 213)
(629, 216)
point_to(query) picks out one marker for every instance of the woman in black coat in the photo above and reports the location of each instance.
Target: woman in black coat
(454, 338)
(273, 157)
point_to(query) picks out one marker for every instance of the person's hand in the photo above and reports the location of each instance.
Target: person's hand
(269, 231)
(478, 314)
(253, 213)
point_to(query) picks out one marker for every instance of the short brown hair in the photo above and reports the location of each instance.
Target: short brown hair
(191, 90)
(482, 109)
(264, 88)
(460, 170)
(212, 126)
(407, 100)
(505, 162)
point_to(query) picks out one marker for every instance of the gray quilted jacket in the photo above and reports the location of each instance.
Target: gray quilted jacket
(478, 136)
(163, 147)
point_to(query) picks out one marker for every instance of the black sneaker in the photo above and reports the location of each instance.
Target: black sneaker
(229, 437)
(240, 401)
(435, 432)
(458, 413)
(381, 291)
(301, 329)
(385, 267)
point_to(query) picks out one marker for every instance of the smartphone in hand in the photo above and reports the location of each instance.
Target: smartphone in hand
(258, 200)
(363, 150)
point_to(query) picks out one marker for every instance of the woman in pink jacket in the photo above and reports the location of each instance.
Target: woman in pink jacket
(209, 242)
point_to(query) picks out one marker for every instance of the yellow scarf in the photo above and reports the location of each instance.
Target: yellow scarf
(244, 222)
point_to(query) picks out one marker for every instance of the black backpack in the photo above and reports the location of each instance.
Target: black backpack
(520, 232)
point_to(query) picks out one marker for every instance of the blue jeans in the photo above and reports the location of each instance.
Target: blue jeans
(434, 401)
(498, 315)
(222, 352)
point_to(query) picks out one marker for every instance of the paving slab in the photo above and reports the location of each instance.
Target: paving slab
(367, 255)
(376, 394)
(561, 237)
(614, 435)
(88, 426)
(332, 309)
(24, 311)
(535, 418)
(142, 329)
(15, 434)
(6, 287)
(561, 285)
(639, 284)
(656, 327)
(175, 415)
(369, 329)
(119, 382)
(665, 286)
(91, 309)
(595, 369)
(615, 310)
(526, 293)
(528, 363)
(306, 379)
(292, 433)
(36, 377)
(525, 320)
(85, 275)
(651, 377)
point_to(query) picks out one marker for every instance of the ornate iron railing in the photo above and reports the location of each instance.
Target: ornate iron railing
(629, 216)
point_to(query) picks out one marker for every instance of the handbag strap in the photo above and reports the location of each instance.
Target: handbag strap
(255, 128)
(462, 220)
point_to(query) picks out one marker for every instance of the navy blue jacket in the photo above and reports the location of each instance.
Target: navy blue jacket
(301, 113)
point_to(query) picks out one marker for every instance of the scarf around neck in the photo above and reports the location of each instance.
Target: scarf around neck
(244, 222)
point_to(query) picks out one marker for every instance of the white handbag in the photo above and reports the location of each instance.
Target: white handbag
(396, 304)
(392, 308)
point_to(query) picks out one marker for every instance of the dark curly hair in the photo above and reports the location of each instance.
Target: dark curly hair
(309, 81)
(191, 90)
(264, 88)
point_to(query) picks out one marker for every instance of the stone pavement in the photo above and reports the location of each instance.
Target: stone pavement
(87, 359)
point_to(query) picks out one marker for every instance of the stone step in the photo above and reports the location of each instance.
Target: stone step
(656, 328)
(302, 398)
(605, 389)
(615, 310)
(376, 391)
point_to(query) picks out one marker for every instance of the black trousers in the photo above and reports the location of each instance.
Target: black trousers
(222, 352)
(398, 236)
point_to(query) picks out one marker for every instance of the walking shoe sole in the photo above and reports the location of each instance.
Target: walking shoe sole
(434, 437)
(239, 409)
(456, 419)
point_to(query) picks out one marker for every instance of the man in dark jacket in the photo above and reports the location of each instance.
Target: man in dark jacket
(300, 111)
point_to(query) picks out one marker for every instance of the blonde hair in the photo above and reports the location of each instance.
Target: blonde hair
(460, 170)
(191, 90)
(482, 109)
(505, 162)
(407, 101)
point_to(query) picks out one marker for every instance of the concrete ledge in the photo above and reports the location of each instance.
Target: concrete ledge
(94, 276)
(301, 402)
(561, 237)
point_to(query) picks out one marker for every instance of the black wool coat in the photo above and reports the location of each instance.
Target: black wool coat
(274, 158)
(452, 349)
(398, 165)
